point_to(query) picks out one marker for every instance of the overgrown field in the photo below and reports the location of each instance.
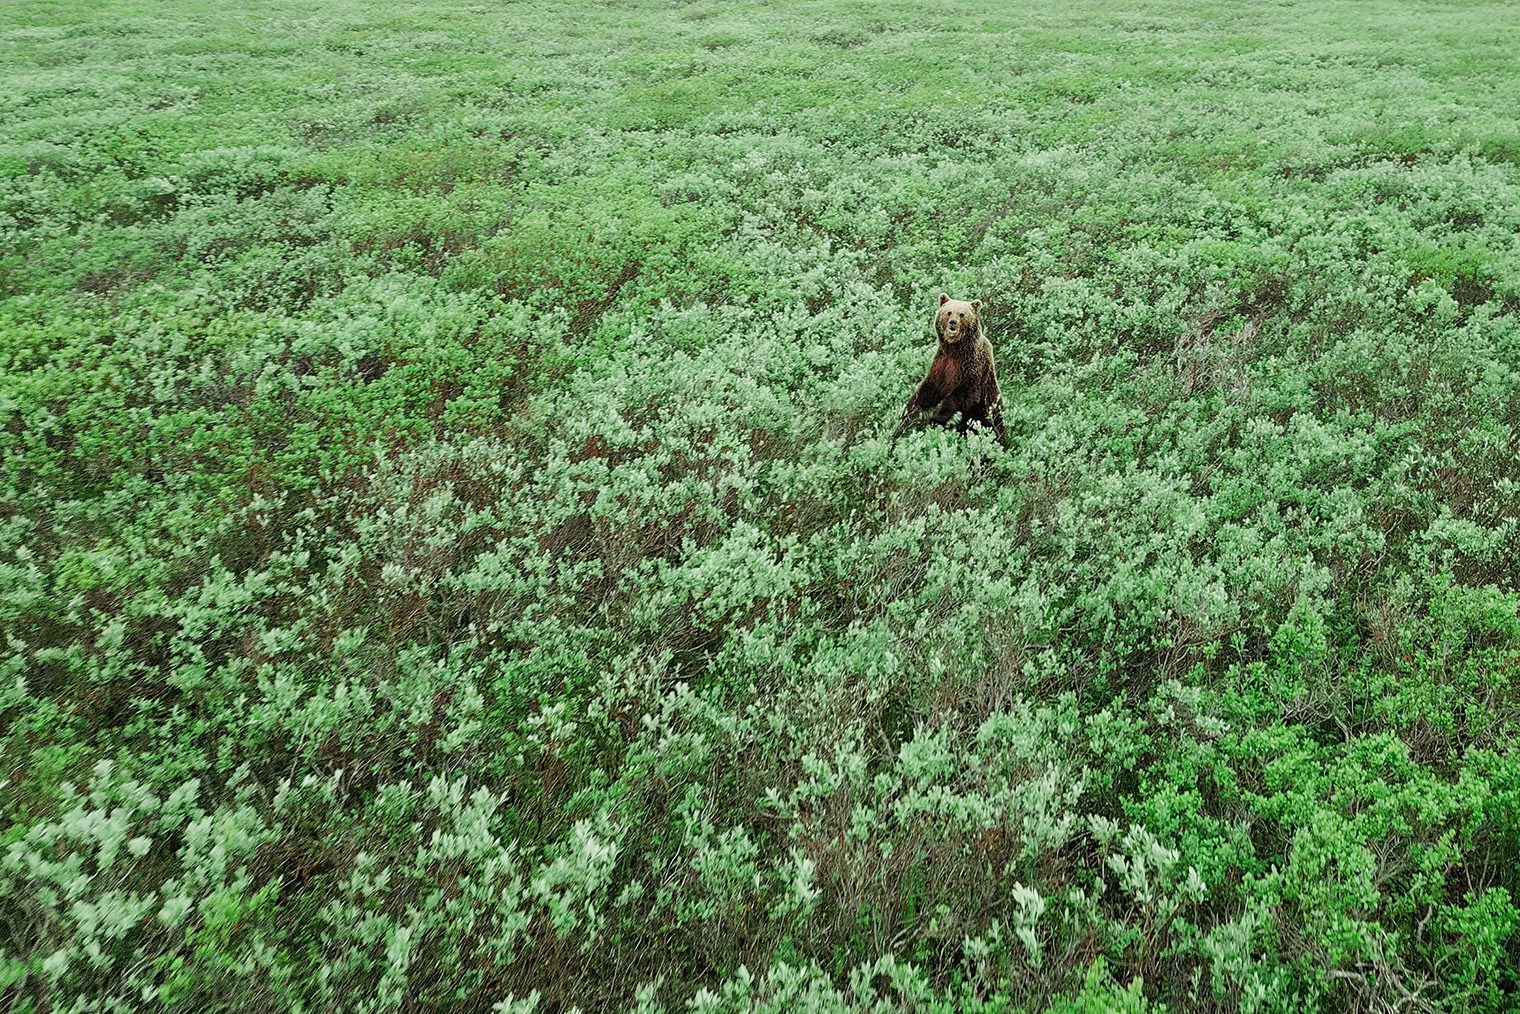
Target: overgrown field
(455, 554)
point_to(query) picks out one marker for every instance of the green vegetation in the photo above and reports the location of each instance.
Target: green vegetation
(454, 554)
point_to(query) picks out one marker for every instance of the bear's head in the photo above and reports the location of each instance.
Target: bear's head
(956, 319)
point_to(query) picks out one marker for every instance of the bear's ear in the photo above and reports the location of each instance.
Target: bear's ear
(976, 304)
(943, 299)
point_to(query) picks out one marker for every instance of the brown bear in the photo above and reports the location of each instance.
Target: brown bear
(962, 380)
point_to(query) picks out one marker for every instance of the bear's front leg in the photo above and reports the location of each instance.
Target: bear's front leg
(926, 397)
(948, 408)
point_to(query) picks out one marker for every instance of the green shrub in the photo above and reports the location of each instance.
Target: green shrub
(455, 554)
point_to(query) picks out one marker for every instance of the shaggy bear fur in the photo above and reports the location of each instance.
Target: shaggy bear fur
(962, 379)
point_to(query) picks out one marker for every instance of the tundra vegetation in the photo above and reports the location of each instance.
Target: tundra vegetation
(455, 559)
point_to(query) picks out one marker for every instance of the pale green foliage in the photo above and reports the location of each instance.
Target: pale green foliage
(453, 554)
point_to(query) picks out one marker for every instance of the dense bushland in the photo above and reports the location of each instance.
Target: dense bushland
(454, 556)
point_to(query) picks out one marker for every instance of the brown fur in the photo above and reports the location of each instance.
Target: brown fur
(962, 380)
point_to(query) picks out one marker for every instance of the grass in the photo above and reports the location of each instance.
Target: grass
(455, 558)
